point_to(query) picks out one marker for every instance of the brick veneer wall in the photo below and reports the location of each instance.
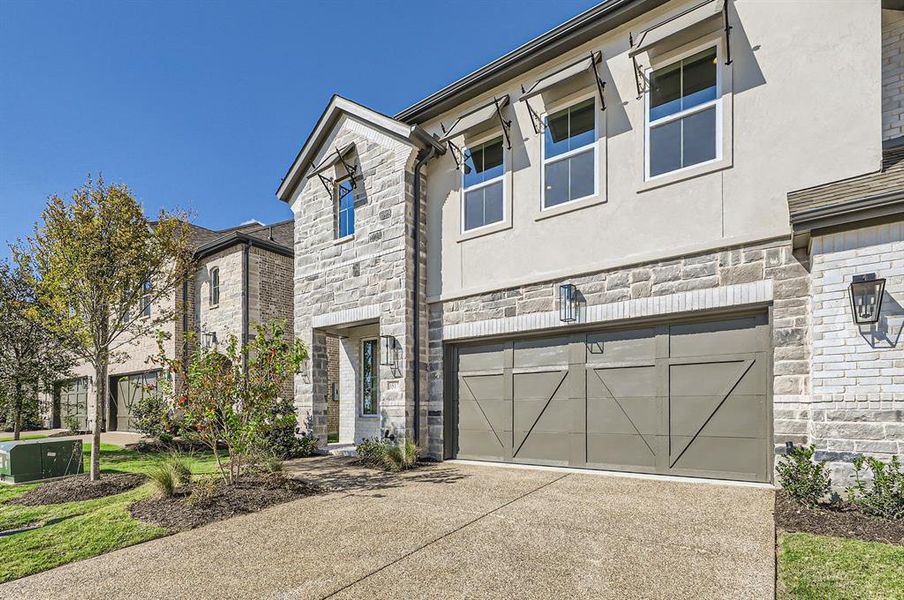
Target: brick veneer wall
(892, 74)
(270, 294)
(374, 269)
(858, 371)
(768, 261)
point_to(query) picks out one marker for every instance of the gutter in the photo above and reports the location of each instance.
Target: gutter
(888, 206)
(423, 157)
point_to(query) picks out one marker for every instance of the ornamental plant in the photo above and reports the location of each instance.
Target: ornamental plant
(881, 495)
(805, 480)
(231, 397)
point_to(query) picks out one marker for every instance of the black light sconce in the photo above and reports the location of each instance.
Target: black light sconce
(389, 351)
(568, 303)
(866, 298)
(210, 339)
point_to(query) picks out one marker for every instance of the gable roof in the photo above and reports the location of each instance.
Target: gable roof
(338, 106)
(278, 237)
(877, 194)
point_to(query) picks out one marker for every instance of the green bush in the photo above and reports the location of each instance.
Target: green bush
(883, 494)
(153, 416)
(72, 423)
(806, 480)
(180, 466)
(388, 455)
(203, 491)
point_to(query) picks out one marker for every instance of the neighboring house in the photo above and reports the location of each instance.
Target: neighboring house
(243, 277)
(581, 253)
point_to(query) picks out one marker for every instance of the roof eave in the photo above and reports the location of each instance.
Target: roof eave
(240, 238)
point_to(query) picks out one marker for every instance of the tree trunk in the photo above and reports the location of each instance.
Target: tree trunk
(100, 380)
(17, 411)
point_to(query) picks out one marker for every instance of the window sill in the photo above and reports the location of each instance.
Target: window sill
(213, 306)
(683, 175)
(568, 207)
(368, 416)
(485, 230)
(343, 240)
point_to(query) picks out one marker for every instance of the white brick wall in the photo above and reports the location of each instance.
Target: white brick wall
(892, 74)
(857, 372)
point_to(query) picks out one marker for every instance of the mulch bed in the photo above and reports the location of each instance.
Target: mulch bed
(67, 434)
(251, 494)
(838, 520)
(79, 487)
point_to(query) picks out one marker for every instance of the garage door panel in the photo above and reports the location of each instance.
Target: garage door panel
(737, 415)
(622, 451)
(742, 376)
(483, 444)
(473, 387)
(544, 352)
(730, 457)
(715, 337)
(540, 385)
(543, 447)
(481, 358)
(560, 414)
(485, 413)
(622, 382)
(621, 346)
(623, 416)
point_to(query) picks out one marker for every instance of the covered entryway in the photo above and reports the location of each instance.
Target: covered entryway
(126, 391)
(71, 404)
(678, 398)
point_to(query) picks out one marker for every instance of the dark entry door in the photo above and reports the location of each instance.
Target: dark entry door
(128, 390)
(682, 399)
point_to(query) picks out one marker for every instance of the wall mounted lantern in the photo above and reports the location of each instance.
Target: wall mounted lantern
(210, 339)
(866, 298)
(389, 351)
(568, 302)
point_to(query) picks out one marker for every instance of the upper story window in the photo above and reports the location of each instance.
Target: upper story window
(683, 114)
(214, 298)
(145, 306)
(482, 182)
(569, 154)
(344, 195)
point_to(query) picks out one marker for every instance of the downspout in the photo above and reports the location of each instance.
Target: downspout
(422, 158)
(245, 301)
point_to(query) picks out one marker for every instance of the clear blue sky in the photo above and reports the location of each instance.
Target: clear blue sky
(203, 105)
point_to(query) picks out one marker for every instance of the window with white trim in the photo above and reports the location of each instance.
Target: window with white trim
(483, 185)
(345, 207)
(370, 376)
(684, 106)
(569, 154)
(214, 297)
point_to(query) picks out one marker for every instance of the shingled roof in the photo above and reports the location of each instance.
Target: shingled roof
(278, 237)
(874, 195)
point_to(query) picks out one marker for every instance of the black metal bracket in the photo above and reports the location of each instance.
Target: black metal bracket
(535, 120)
(350, 170)
(457, 155)
(600, 84)
(327, 183)
(727, 33)
(506, 125)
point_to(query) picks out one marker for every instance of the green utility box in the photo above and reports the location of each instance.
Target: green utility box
(32, 460)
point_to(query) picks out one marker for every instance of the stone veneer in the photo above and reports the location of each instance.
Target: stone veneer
(858, 371)
(728, 269)
(364, 278)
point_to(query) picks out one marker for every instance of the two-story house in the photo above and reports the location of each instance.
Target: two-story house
(582, 254)
(242, 277)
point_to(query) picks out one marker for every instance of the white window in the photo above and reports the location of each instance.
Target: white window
(345, 207)
(684, 114)
(569, 154)
(370, 376)
(483, 173)
(214, 298)
(146, 300)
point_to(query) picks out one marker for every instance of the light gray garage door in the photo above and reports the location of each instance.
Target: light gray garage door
(678, 399)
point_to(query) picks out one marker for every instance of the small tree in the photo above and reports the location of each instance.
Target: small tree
(96, 262)
(31, 356)
(232, 398)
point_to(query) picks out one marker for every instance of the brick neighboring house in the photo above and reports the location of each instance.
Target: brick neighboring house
(595, 252)
(242, 277)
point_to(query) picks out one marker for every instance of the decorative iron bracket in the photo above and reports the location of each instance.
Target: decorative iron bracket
(506, 125)
(600, 84)
(535, 120)
(350, 170)
(327, 183)
(457, 155)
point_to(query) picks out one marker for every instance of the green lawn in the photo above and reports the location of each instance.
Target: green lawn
(79, 530)
(8, 437)
(824, 568)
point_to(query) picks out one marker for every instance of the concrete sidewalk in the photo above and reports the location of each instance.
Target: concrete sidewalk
(454, 531)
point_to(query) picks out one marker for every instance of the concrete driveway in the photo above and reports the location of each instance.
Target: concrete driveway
(454, 530)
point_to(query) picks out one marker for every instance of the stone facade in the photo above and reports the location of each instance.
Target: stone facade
(892, 74)
(770, 261)
(224, 318)
(364, 278)
(858, 371)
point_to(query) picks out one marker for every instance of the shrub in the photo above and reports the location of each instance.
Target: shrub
(203, 491)
(400, 457)
(803, 478)
(153, 416)
(386, 454)
(883, 495)
(72, 423)
(164, 479)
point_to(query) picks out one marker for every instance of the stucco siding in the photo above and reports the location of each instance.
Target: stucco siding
(776, 88)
